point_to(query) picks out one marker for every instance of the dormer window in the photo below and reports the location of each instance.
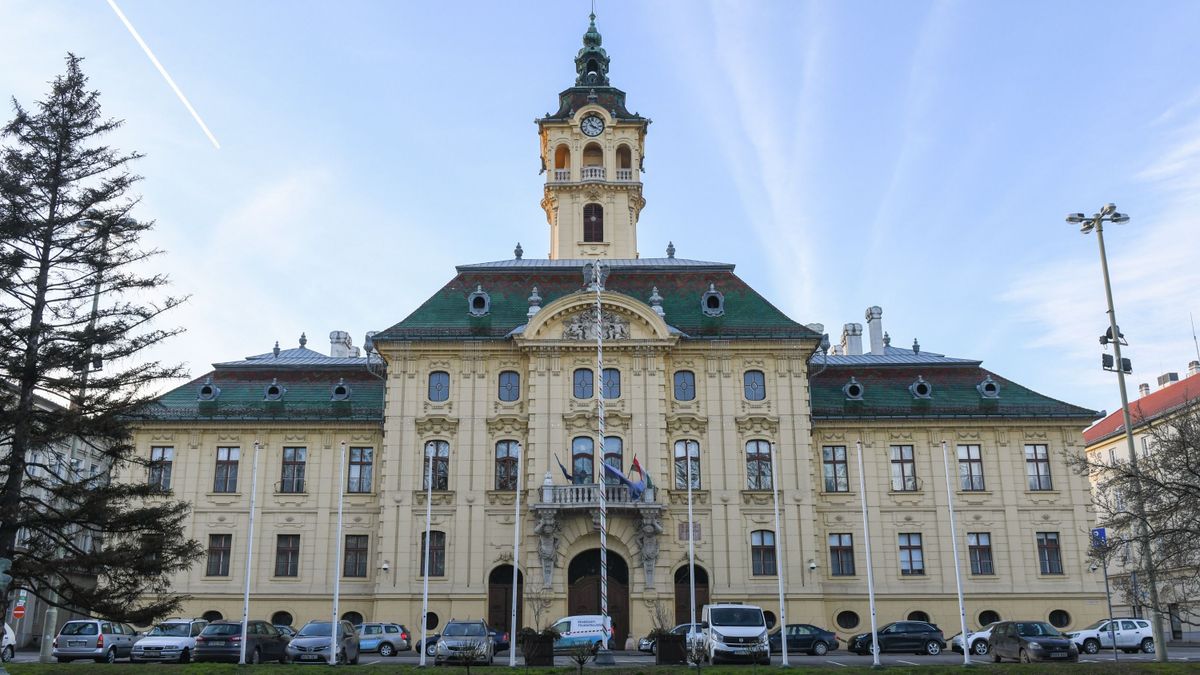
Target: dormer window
(712, 303)
(274, 391)
(340, 392)
(853, 390)
(208, 391)
(989, 388)
(921, 388)
(479, 303)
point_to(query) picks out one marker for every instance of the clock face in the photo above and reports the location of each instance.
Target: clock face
(592, 125)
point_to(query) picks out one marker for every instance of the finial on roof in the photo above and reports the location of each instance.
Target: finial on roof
(670, 249)
(656, 302)
(303, 340)
(535, 302)
(275, 351)
(518, 251)
(916, 346)
(887, 339)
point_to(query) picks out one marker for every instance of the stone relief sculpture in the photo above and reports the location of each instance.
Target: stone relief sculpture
(547, 529)
(582, 326)
(647, 541)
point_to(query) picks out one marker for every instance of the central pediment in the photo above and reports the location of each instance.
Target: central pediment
(572, 320)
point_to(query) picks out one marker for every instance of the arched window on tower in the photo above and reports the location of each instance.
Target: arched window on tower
(593, 162)
(624, 163)
(562, 163)
(593, 222)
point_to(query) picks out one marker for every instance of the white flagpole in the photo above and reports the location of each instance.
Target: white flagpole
(337, 562)
(687, 458)
(782, 563)
(962, 612)
(425, 566)
(249, 555)
(603, 657)
(862, 493)
(512, 633)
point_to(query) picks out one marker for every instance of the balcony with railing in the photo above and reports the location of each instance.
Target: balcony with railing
(587, 496)
(562, 175)
(624, 174)
(593, 173)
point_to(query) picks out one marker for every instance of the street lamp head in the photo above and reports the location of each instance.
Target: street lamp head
(1108, 208)
(1087, 226)
(1120, 218)
(1074, 217)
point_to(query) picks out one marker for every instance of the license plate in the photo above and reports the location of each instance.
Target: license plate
(1058, 655)
(217, 643)
(76, 643)
(310, 657)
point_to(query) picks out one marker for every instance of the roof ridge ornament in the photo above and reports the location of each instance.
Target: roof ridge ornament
(670, 249)
(916, 346)
(595, 273)
(518, 251)
(303, 340)
(535, 302)
(275, 351)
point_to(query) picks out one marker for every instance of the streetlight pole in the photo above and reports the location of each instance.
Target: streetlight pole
(512, 633)
(337, 562)
(429, 449)
(862, 493)
(249, 556)
(962, 613)
(782, 564)
(1096, 222)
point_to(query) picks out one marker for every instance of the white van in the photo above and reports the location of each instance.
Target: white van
(585, 629)
(733, 630)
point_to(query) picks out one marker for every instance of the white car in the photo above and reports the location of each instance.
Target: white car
(1131, 635)
(733, 630)
(979, 640)
(10, 644)
(171, 640)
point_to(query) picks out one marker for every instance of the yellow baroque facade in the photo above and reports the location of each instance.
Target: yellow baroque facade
(698, 369)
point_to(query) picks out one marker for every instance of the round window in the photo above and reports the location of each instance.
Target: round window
(1060, 618)
(770, 617)
(282, 619)
(431, 621)
(988, 616)
(918, 616)
(847, 620)
(212, 615)
(353, 617)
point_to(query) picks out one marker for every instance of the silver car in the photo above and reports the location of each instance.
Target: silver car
(93, 639)
(311, 643)
(465, 641)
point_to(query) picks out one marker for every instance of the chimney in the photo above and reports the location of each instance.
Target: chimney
(340, 344)
(1143, 390)
(874, 318)
(1167, 379)
(852, 339)
(1193, 368)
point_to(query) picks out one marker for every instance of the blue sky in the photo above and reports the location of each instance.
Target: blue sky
(917, 155)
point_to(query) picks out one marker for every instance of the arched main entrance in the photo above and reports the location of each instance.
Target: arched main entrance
(683, 595)
(583, 589)
(499, 614)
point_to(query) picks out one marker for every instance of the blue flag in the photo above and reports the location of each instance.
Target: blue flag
(566, 474)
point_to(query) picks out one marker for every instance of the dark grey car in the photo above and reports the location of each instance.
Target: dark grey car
(311, 643)
(222, 641)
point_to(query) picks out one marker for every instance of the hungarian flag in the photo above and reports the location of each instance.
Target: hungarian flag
(637, 467)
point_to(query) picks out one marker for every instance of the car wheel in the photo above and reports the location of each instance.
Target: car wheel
(110, 656)
(256, 657)
(654, 648)
(431, 649)
(185, 656)
(386, 649)
(1091, 646)
(7, 655)
(341, 657)
(933, 648)
(980, 647)
(1025, 657)
(1148, 645)
(354, 661)
(596, 647)
(819, 648)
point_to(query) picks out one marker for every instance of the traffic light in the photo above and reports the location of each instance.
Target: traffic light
(5, 578)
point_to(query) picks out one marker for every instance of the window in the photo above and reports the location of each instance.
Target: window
(685, 385)
(686, 451)
(1049, 553)
(212, 615)
(904, 469)
(593, 222)
(218, 554)
(282, 619)
(227, 470)
(510, 385)
(439, 386)
(841, 555)
(758, 465)
(437, 465)
(755, 385)
(762, 553)
(437, 554)
(970, 468)
(1037, 467)
(356, 556)
(847, 620)
(1060, 618)
(287, 555)
(292, 479)
(583, 383)
(359, 480)
(614, 456)
(979, 546)
(506, 465)
(161, 459)
(837, 472)
(583, 460)
(988, 616)
(912, 558)
(610, 383)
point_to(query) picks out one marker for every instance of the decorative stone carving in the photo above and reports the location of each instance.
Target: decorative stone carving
(437, 425)
(547, 530)
(756, 498)
(582, 326)
(647, 541)
(757, 424)
(507, 425)
(440, 497)
(684, 423)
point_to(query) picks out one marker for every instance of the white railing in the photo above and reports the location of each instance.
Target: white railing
(589, 495)
(562, 175)
(593, 173)
(624, 174)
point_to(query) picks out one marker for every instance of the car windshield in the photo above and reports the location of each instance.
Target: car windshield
(80, 628)
(1096, 625)
(464, 630)
(1037, 629)
(316, 630)
(222, 629)
(172, 630)
(737, 616)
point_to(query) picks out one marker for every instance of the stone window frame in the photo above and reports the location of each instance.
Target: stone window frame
(513, 387)
(676, 385)
(437, 554)
(506, 464)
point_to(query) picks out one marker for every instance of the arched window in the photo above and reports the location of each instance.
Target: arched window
(755, 385)
(758, 465)
(583, 457)
(762, 553)
(685, 450)
(614, 450)
(685, 385)
(437, 554)
(562, 157)
(593, 222)
(212, 615)
(282, 619)
(506, 465)
(439, 385)
(437, 453)
(354, 618)
(583, 383)
(610, 383)
(510, 385)
(624, 157)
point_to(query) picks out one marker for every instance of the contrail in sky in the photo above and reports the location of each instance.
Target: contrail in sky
(163, 71)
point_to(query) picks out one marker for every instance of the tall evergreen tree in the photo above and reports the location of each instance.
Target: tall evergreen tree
(77, 314)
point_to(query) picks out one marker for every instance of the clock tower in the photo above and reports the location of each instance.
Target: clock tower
(592, 157)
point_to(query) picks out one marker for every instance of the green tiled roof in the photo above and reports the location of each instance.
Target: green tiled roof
(444, 316)
(886, 394)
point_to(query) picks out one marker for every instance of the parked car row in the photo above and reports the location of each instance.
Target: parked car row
(1130, 635)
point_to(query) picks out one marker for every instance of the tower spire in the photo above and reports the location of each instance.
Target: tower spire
(591, 63)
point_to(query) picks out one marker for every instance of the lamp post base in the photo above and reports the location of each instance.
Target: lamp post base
(604, 657)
